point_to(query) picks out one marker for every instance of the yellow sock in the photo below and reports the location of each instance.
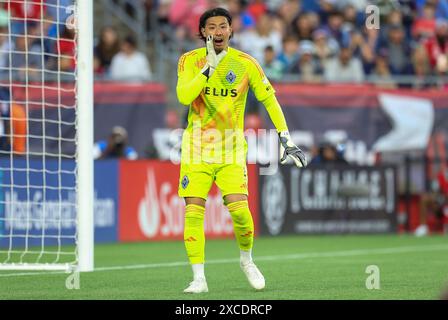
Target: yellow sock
(194, 237)
(243, 224)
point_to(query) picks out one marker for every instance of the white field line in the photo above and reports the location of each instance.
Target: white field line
(297, 256)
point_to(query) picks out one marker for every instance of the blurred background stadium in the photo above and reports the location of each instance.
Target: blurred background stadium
(368, 105)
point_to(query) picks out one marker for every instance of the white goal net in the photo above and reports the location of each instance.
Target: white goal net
(43, 162)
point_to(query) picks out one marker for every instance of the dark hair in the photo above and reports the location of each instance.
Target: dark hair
(130, 39)
(335, 13)
(215, 12)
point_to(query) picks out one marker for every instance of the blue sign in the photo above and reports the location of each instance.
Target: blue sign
(106, 201)
(38, 202)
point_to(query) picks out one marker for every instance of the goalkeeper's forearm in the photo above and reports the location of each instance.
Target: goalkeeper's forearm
(275, 113)
(188, 91)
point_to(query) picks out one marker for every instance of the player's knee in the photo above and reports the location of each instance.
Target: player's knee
(232, 198)
(236, 206)
(194, 212)
(195, 201)
(239, 211)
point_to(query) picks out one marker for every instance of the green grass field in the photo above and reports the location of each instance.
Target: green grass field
(295, 267)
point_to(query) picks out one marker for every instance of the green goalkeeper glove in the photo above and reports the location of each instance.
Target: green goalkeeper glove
(289, 149)
(213, 59)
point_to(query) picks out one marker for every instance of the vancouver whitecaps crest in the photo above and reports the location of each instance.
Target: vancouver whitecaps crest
(231, 76)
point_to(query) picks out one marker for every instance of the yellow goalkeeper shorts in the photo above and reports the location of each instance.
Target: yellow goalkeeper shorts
(195, 180)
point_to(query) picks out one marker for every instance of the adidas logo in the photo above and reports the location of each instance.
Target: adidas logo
(247, 234)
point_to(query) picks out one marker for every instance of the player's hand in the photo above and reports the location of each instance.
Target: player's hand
(289, 149)
(213, 59)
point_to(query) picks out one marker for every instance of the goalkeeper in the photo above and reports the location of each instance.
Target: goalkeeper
(214, 82)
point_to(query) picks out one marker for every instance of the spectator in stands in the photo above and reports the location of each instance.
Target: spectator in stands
(289, 56)
(115, 147)
(381, 75)
(239, 12)
(398, 50)
(49, 30)
(326, 7)
(187, 13)
(372, 36)
(130, 64)
(5, 45)
(279, 25)
(424, 26)
(389, 12)
(256, 8)
(59, 10)
(108, 46)
(394, 17)
(437, 48)
(314, 20)
(184, 42)
(344, 68)
(325, 48)
(24, 12)
(441, 7)
(328, 153)
(358, 5)
(308, 66)
(288, 10)
(237, 28)
(13, 125)
(4, 120)
(272, 67)
(362, 51)
(353, 17)
(334, 28)
(422, 69)
(163, 10)
(26, 57)
(302, 27)
(330, 24)
(255, 40)
(66, 49)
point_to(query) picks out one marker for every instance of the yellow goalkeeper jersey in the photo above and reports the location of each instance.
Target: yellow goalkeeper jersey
(215, 130)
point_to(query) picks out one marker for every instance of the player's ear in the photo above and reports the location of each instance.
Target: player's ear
(203, 32)
(231, 33)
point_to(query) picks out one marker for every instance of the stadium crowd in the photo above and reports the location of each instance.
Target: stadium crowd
(311, 40)
(328, 40)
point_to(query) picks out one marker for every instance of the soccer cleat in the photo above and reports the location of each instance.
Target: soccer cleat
(197, 286)
(254, 275)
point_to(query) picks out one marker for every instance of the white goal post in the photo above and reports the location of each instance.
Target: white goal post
(46, 170)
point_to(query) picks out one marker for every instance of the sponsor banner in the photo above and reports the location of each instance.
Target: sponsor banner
(150, 208)
(333, 199)
(38, 202)
(364, 119)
